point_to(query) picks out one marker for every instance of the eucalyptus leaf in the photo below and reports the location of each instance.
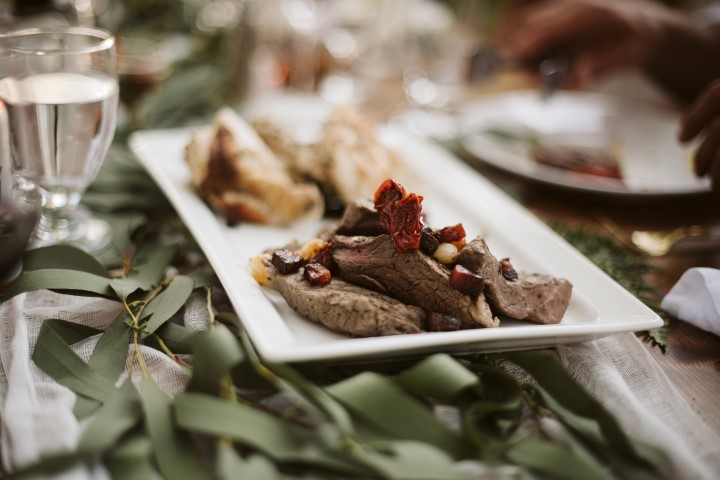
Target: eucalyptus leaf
(66, 281)
(117, 416)
(404, 460)
(123, 226)
(558, 384)
(499, 386)
(215, 353)
(111, 351)
(150, 265)
(71, 332)
(131, 459)
(168, 303)
(57, 359)
(177, 338)
(590, 433)
(171, 447)
(440, 377)
(108, 359)
(203, 280)
(382, 403)
(63, 257)
(310, 395)
(230, 466)
(277, 438)
(490, 425)
(286, 378)
(555, 461)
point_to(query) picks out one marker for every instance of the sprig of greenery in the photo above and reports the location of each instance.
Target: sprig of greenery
(627, 268)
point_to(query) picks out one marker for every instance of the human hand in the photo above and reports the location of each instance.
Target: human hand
(598, 35)
(703, 117)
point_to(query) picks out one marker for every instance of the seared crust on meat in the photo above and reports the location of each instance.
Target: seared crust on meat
(537, 298)
(412, 277)
(241, 177)
(347, 308)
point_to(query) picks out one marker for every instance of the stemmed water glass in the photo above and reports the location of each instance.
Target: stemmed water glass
(60, 89)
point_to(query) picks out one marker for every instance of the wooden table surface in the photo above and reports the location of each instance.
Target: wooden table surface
(692, 358)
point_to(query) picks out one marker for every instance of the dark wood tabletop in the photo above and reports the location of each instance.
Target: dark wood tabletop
(692, 357)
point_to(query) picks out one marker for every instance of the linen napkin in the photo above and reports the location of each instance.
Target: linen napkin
(695, 299)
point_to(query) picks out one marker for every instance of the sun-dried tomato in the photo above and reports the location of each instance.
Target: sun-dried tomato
(317, 275)
(386, 196)
(400, 215)
(451, 234)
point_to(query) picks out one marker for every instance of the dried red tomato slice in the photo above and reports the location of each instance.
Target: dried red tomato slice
(389, 193)
(400, 215)
(317, 275)
(450, 234)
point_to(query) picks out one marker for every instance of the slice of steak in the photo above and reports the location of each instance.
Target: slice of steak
(412, 277)
(347, 308)
(533, 297)
(360, 218)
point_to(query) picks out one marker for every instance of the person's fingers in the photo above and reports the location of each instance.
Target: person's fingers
(599, 62)
(708, 150)
(541, 28)
(700, 112)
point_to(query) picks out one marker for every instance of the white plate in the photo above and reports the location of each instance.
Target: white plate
(453, 193)
(642, 134)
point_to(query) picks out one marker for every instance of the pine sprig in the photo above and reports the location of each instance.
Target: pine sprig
(626, 267)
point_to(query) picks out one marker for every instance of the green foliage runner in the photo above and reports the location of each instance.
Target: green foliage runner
(373, 420)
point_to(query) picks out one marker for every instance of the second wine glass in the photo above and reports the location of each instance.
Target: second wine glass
(61, 92)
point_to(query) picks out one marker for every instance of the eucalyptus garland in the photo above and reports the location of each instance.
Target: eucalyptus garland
(347, 421)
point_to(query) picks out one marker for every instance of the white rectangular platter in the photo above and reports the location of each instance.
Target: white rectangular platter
(454, 193)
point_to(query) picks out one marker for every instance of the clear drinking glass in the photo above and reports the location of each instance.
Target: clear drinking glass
(60, 89)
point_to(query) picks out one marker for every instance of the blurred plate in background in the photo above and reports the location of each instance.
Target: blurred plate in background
(517, 132)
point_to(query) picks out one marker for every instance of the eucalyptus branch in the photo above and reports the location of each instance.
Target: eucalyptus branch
(211, 312)
(169, 352)
(157, 291)
(138, 354)
(537, 411)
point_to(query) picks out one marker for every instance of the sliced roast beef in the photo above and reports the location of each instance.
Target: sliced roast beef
(360, 218)
(412, 277)
(534, 297)
(347, 308)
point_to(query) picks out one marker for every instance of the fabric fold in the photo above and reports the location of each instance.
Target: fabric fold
(695, 299)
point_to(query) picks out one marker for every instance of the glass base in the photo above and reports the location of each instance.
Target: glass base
(82, 230)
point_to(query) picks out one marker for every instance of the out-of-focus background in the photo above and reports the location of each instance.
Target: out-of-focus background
(405, 60)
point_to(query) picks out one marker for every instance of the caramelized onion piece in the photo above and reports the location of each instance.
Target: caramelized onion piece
(507, 270)
(467, 282)
(437, 322)
(446, 253)
(286, 261)
(258, 270)
(317, 275)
